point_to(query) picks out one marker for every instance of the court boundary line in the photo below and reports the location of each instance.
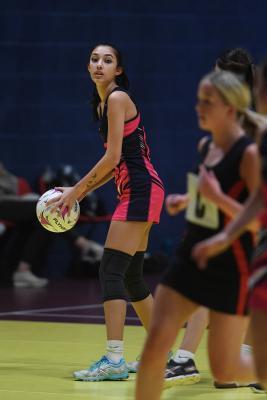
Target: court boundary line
(49, 312)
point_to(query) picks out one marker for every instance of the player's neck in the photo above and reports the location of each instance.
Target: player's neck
(104, 91)
(226, 138)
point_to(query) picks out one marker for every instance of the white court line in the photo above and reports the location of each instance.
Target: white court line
(84, 307)
(52, 309)
(74, 316)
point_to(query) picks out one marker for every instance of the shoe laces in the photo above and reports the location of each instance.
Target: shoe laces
(97, 364)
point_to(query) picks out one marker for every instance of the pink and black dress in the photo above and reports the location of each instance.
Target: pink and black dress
(140, 190)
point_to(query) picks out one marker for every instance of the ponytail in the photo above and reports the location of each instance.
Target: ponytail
(254, 124)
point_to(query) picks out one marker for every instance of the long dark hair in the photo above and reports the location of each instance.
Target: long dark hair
(121, 80)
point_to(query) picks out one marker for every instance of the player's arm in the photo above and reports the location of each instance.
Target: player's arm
(106, 179)
(250, 173)
(100, 173)
(105, 166)
(206, 249)
(177, 202)
(245, 218)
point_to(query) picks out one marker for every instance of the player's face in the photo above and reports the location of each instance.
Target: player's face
(103, 66)
(211, 110)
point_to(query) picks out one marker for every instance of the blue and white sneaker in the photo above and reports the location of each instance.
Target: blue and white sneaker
(103, 370)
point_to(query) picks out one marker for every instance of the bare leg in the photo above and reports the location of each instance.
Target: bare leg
(195, 328)
(170, 312)
(115, 312)
(226, 334)
(144, 309)
(259, 336)
(135, 236)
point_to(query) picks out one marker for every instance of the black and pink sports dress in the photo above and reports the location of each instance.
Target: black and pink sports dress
(141, 191)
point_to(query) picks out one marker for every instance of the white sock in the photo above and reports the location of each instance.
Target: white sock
(246, 349)
(114, 350)
(182, 356)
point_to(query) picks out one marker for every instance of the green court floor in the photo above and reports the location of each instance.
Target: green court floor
(37, 360)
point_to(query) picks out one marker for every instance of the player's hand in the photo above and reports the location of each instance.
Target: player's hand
(206, 249)
(175, 203)
(209, 185)
(64, 201)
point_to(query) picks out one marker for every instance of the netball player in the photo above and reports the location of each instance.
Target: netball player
(256, 205)
(141, 195)
(228, 172)
(181, 368)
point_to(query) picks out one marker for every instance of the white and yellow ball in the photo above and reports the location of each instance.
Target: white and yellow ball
(59, 221)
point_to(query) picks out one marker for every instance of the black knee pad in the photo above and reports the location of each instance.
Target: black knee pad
(112, 270)
(134, 282)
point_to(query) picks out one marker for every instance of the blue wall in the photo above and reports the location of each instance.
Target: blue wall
(168, 46)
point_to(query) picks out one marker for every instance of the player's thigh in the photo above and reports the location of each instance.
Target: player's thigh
(226, 334)
(144, 241)
(170, 312)
(126, 236)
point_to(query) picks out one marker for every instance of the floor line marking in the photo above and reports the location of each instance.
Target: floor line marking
(72, 316)
(82, 307)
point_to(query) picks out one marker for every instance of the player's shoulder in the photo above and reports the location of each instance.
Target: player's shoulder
(251, 151)
(118, 97)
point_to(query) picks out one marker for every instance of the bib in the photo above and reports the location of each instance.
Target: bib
(200, 211)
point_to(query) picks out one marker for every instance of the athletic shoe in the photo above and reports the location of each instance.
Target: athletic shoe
(228, 385)
(133, 366)
(28, 279)
(256, 387)
(181, 373)
(103, 370)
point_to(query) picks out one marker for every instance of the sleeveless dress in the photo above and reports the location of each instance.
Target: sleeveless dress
(223, 285)
(140, 189)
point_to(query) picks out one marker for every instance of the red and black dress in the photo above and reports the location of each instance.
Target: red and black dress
(223, 285)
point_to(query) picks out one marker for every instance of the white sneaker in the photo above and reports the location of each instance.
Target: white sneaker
(28, 279)
(103, 370)
(134, 365)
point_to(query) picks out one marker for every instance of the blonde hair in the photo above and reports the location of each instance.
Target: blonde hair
(232, 90)
(254, 124)
(236, 93)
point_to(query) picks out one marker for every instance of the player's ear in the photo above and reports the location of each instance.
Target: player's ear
(119, 71)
